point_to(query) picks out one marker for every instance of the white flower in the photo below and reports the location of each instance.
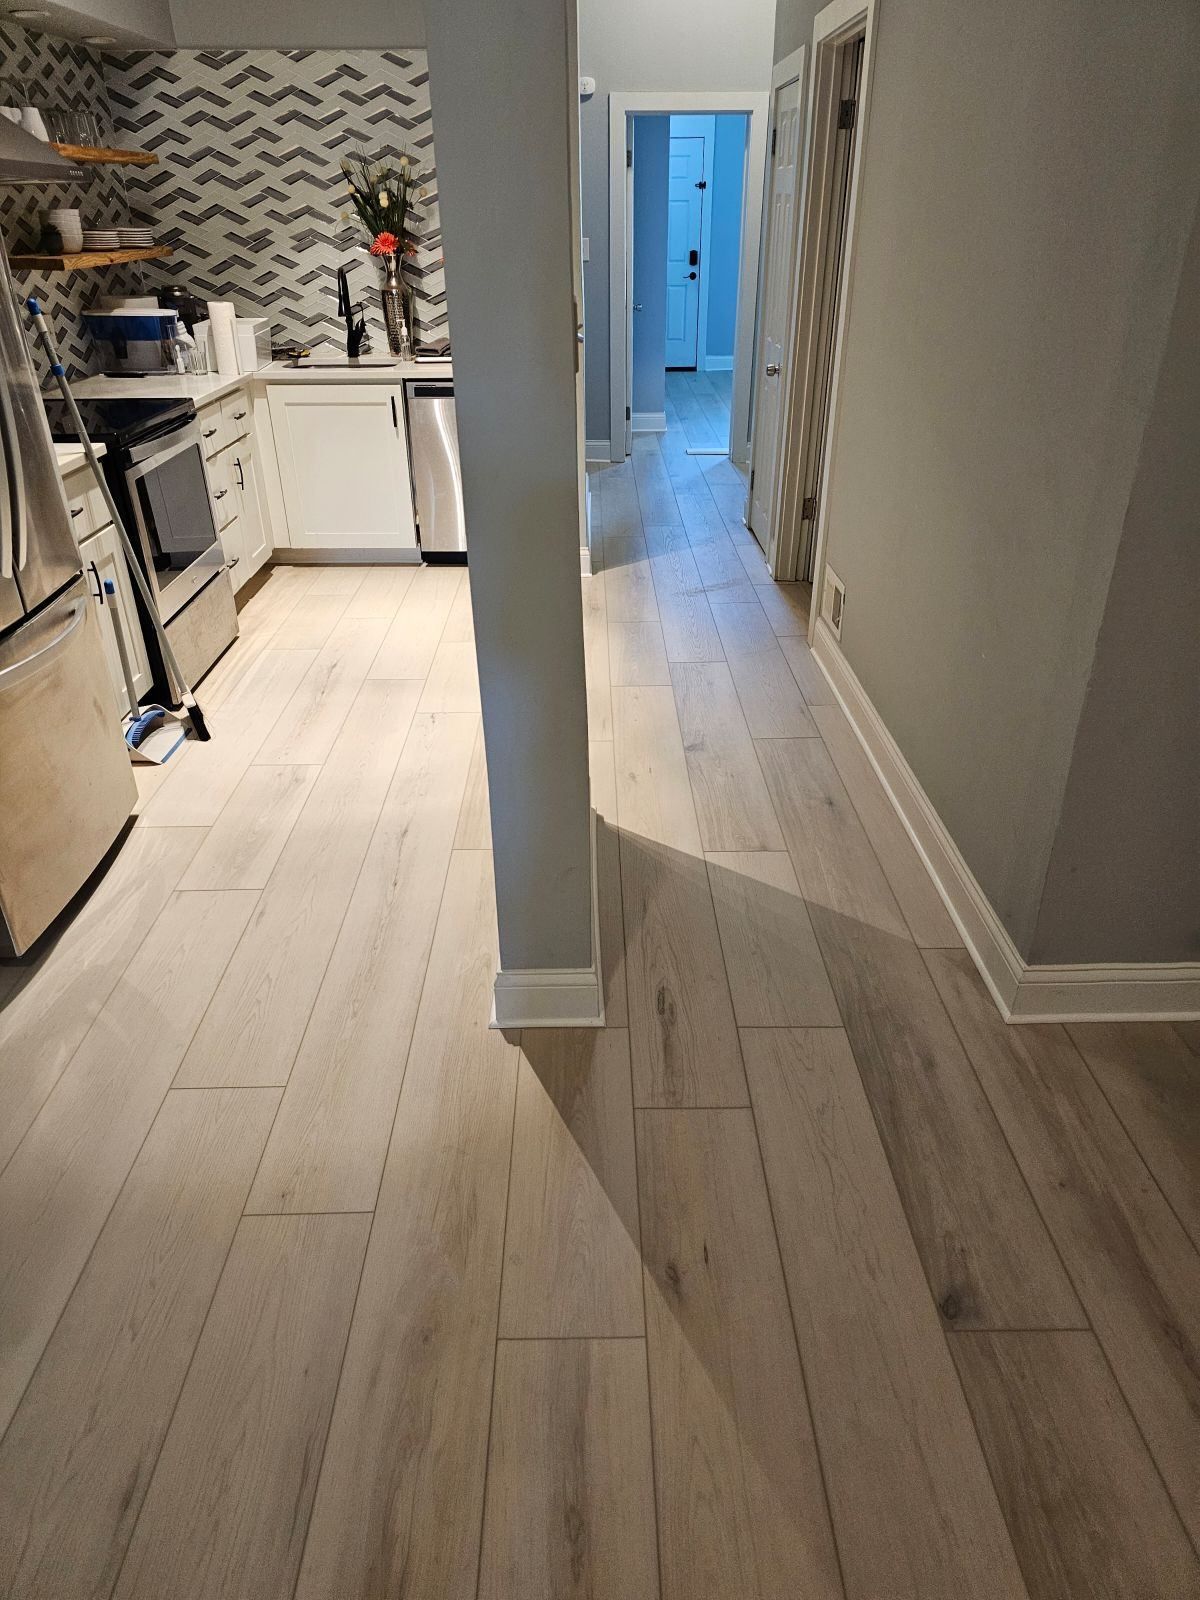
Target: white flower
(383, 197)
(405, 163)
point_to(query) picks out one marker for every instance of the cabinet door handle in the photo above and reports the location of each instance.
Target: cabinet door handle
(241, 475)
(208, 433)
(76, 511)
(220, 494)
(238, 415)
(395, 417)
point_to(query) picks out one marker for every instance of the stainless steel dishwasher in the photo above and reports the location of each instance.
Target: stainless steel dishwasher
(436, 478)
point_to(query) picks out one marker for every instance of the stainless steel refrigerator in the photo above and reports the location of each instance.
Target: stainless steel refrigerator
(66, 786)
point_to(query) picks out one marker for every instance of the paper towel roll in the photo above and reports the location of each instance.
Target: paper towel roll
(223, 319)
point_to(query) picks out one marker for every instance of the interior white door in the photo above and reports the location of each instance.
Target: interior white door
(685, 213)
(779, 267)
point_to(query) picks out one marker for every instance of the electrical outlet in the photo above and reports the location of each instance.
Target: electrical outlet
(833, 602)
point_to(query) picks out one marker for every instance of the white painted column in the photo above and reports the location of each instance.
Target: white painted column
(500, 81)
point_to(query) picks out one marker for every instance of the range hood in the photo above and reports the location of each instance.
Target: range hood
(24, 159)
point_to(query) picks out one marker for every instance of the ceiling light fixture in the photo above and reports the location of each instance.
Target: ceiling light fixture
(99, 38)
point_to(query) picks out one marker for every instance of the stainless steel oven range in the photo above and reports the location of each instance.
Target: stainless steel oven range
(154, 463)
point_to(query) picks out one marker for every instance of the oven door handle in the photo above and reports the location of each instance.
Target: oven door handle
(188, 439)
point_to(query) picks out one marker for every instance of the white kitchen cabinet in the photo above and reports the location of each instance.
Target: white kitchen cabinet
(343, 466)
(222, 488)
(254, 538)
(103, 558)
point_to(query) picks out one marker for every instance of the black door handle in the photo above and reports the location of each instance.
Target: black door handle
(692, 274)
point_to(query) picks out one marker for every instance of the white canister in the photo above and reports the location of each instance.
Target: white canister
(64, 221)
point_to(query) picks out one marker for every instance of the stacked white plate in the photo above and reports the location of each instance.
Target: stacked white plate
(100, 239)
(135, 238)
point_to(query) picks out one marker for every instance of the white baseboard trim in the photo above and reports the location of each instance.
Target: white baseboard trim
(649, 422)
(1084, 993)
(718, 363)
(597, 451)
(554, 997)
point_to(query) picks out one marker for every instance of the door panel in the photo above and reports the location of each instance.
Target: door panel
(66, 786)
(103, 558)
(779, 257)
(343, 465)
(685, 210)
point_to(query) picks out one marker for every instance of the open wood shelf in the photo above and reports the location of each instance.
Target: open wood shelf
(91, 153)
(88, 258)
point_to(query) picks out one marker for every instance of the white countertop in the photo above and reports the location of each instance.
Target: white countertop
(71, 456)
(159, 386)
(333, 366)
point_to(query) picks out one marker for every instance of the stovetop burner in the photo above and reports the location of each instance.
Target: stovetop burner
(117, 422)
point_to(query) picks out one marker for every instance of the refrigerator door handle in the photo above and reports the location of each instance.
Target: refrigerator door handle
(6, 525)
(23, 669)
(16, 477)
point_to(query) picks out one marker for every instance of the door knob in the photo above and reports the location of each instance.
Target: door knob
(692, 274)
(637, 305)
(772, 369)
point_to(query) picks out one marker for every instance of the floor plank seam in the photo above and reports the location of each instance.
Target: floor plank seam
(487, 1449)
(1131, 1141)
(654, 1469)
(121, 1188)
(1070, 1277)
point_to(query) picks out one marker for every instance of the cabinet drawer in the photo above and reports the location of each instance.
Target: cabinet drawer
(213, 432)
(235, 416)
(220, 481)
(86, 505)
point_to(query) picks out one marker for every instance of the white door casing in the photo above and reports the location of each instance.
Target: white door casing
(777, 306)
(687, 170)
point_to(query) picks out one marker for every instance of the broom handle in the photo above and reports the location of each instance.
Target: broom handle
(180, 689)
(110, 600)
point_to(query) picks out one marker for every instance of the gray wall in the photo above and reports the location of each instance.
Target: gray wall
(501, 113)
(627, 46)
(1031, 177)
(793, 25)
(1124, 879)
(296, 24)
(652, 151)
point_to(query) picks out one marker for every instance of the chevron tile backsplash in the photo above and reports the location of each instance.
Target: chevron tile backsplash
(248, 188)
(39, 71)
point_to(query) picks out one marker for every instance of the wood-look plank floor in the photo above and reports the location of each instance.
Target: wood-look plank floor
(806, 1276)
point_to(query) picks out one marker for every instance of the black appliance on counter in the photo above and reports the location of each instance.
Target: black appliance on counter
(154, 464)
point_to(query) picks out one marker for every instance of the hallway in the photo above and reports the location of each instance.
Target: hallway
(804, 1276)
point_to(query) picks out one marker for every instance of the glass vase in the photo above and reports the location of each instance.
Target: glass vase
(394, 317)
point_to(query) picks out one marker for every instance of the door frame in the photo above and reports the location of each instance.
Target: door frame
(834, 26)
(791, 69)
(755, 105)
